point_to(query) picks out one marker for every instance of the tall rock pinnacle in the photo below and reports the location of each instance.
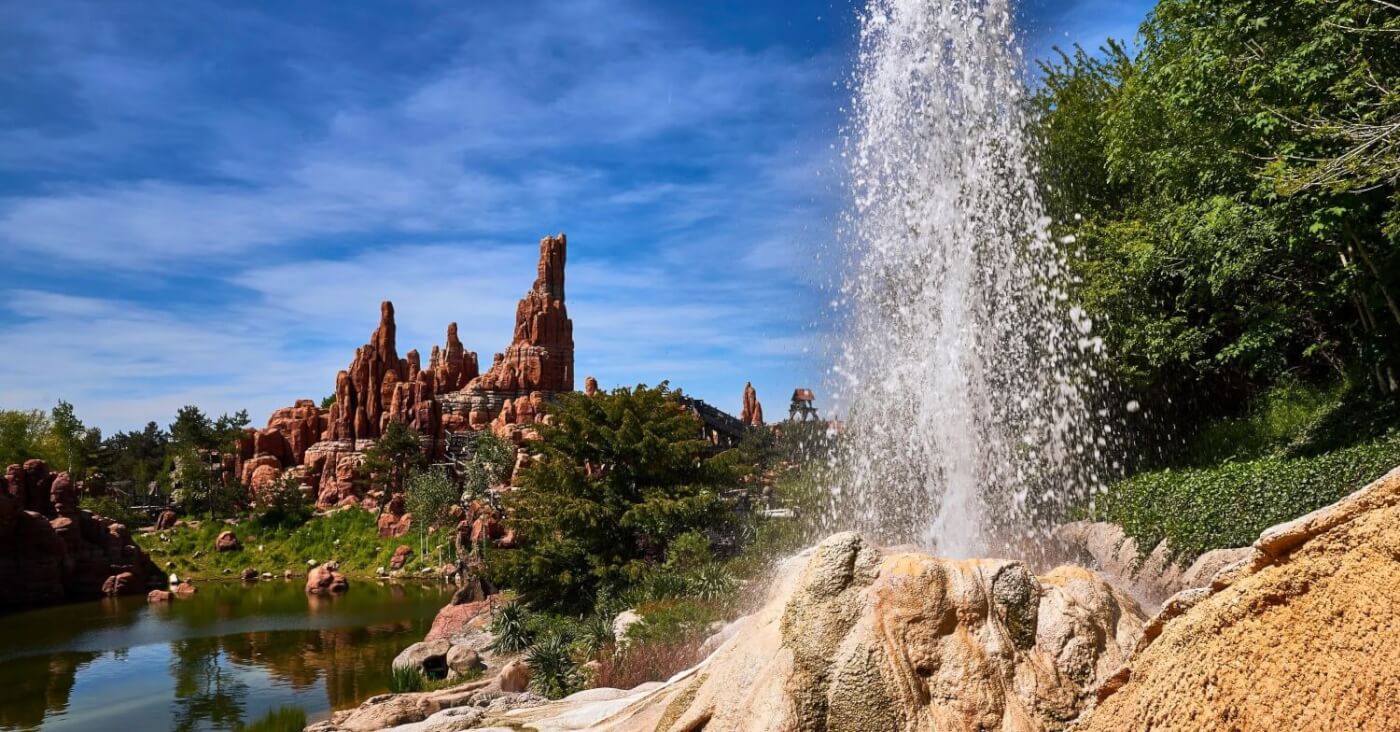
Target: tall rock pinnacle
(541, 356)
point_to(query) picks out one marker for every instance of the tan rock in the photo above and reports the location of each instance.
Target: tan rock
(856, 639)
(1301, 636)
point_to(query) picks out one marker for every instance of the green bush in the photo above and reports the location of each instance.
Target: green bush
(620, 477)
(510, 628)
(553, 671)
(111, 508)
(1200, 509)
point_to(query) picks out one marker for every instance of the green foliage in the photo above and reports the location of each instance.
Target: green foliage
(1211, 268)
(193, 430)
(327, 401)
(396, 455)
(489, 465)
(282, 719)
(553, 671)
(134, 456)
(284, 505)
(113, 509)
(405, 680)
(509, 629)
(430, 496)
(25, 436)
(1200, 509)
(621, 475)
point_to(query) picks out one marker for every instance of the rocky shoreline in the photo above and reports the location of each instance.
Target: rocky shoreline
(857, 638)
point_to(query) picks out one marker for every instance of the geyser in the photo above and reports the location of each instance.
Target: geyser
(964, 371)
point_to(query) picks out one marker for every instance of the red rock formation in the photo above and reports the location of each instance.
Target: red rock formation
(590, 386)
(448, 395)
(61, 552)
(752, 413)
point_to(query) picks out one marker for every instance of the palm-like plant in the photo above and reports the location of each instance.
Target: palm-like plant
(511, 629)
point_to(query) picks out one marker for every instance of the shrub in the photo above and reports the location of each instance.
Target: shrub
(512, 634)
(284, 505)
(620, 477)
(111, 508)
(553, 672)
(1228, 505)
(641, 662)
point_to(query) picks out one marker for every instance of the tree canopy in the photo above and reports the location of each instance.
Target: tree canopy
(1227, 227)
(620, 475)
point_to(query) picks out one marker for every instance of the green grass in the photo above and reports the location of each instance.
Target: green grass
(359, 550)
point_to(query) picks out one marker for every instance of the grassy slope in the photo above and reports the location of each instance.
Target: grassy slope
(359, 550)
(1297, 450)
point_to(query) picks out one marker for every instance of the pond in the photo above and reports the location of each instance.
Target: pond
(224, 657)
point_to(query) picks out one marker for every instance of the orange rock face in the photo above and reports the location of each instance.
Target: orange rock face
(448, 395)
(752, 414)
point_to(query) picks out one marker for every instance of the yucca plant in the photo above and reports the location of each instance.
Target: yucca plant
(553, 671)
(712, 582)
(511, 629)
(594, 632)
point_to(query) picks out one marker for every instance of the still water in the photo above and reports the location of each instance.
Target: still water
(224, 657)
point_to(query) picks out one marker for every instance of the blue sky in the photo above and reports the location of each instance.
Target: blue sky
(204, 202)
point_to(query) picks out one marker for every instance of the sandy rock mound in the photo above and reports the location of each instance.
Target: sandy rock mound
(1302, 634)
(860, 640)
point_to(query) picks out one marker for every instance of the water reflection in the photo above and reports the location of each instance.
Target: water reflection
(225, 657)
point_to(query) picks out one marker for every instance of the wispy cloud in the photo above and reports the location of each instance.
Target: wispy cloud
(203, 202)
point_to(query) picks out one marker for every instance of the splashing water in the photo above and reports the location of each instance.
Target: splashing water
(964, 371)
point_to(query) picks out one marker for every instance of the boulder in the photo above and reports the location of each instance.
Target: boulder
(166, 520)
(514, 677)
(184, 588)
(249, 575)
(426, 657)
(227, 541)
(158, 596)
(324, 579)
(463, 661)
(402, 554)
(1300, 634)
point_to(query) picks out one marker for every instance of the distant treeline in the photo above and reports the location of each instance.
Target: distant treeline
(128, 460)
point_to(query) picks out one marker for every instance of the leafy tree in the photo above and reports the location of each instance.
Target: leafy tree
(430, 495)
(490, 464)
(76, 443)
(192, 429)
(1211, 272)
(133, 456)
(620, 476)
(25, 435)
(394, 457)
